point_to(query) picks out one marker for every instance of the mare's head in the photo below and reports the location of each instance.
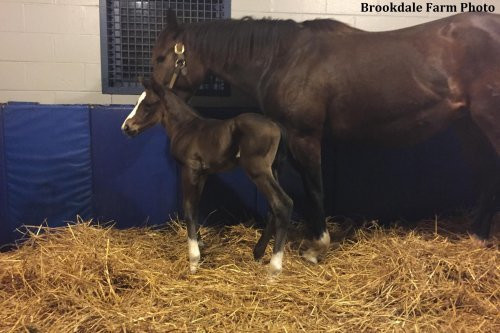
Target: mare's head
(172, 54)
(148, 111)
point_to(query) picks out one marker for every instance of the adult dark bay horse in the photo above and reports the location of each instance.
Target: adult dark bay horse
(388, 88)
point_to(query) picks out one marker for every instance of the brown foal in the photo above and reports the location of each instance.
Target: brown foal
(206, 146)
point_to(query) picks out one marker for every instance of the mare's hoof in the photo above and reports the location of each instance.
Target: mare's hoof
(482, 242)
(317, 247)
(311, 256)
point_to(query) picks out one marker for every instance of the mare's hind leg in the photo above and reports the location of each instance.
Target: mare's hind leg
(483, 134)
(306, 157)
(481, 158)
(192, 187)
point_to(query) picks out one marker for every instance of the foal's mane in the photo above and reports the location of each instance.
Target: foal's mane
(225, 41)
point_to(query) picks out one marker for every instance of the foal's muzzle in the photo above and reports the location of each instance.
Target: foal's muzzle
(129, 129)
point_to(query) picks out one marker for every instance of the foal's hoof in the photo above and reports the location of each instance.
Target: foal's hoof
(273, 271)
(194, 263)
(276, 263)
(258, 252)
(193, 267)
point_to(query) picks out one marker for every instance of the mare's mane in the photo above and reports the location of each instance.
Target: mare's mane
(227, 41)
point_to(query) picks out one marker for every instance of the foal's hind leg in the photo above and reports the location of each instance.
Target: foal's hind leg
(260, 247)
(281, 206)
(269, 230)
(192, 187)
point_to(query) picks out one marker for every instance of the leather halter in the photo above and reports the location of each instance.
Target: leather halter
(180, 64)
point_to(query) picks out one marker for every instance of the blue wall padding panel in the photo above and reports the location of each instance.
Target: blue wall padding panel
(4, 236)
(63, 160)
(231, 197)
(48, 169)
(411, 182)
(135, 179)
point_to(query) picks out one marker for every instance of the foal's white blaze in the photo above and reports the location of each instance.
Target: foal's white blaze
(276, 262)
(317, 247)
(132, 114)
(194, 254)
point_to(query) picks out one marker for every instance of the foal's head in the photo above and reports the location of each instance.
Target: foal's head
(148, 111)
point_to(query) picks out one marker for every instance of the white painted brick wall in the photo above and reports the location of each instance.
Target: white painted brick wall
(348, 11)
(50, 49)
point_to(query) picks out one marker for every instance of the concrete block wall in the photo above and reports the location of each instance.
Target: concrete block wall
(50, 49)
(50, 52)
(347, 11)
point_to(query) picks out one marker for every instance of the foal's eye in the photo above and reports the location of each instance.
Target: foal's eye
(149, 106)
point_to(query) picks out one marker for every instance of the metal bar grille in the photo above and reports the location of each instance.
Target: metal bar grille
(129, 29)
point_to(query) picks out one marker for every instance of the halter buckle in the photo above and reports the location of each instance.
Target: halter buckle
(179, 48)
(180, 63)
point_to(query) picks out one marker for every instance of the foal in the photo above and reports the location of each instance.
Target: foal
(206, 146)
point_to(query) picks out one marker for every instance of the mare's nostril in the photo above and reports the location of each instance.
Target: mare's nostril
(125, 127)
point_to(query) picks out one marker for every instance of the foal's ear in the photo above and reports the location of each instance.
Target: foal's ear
(146, 83)
(158, 89)
(171, 20)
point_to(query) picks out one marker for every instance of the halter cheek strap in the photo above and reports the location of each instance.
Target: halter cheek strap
(180, 64)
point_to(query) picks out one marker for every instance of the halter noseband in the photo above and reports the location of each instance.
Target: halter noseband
(180, 64)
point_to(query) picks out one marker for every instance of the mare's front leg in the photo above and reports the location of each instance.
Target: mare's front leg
(192, 187)
(306, 157)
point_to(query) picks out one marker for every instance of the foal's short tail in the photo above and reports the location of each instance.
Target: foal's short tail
(281, 153)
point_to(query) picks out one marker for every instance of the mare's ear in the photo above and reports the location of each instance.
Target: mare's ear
(172, 24)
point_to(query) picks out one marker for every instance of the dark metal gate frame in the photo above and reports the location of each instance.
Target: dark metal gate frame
(213, 93)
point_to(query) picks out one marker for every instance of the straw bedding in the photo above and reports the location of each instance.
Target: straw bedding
(90, 278)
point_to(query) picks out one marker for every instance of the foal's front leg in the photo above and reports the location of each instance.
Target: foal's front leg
(192, 186)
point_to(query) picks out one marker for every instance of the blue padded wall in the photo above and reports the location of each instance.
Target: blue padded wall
(4, 236)
(135, 179)
(57, 161)
(47, 164)
(411, 182)
(231, 197)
